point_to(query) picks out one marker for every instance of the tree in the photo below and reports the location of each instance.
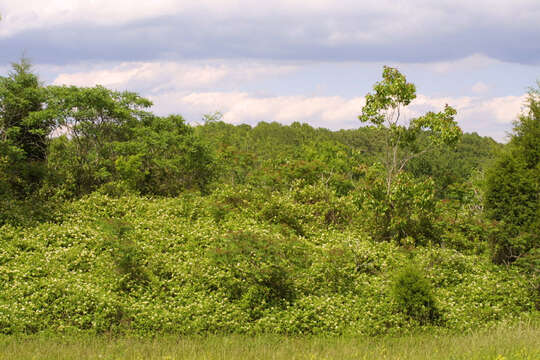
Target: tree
(402, 208)
(384, 109)
(513, 188)
(452, 166)
(93, 119)
(164, 157)
(23, 136)
(112, 142)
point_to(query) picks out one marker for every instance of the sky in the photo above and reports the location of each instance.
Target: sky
(310, 61)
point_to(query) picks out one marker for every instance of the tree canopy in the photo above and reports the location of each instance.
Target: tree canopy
(23, 136)
(384, 109)
(513, 187)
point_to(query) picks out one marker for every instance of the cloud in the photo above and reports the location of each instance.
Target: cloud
(241, 107)
(243, 92)
(158, 76)
(146, 76)
(488, 117)
(470, 63)
(196, 88)
(23, 15)
(503, 110)
(383, 30)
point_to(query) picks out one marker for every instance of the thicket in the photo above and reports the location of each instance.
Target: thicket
(113, 219)
(166, 265)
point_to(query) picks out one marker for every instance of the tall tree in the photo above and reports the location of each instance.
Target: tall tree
(513, 187)
(115, 144)
(94, 119)
(402, 209)
(384, 109)
(23, 136)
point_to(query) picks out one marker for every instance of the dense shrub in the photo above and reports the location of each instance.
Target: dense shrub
(414, 296)
(406, 215)
(280, 210)
(262, 267)
(461, 216)
(129, 260)
(147, 265)
(231, 200)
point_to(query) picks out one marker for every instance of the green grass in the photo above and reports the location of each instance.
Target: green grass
(518, 342)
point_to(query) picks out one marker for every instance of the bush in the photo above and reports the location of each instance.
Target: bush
(262, 269)
(413, 294)
(509, 243)
(408, 214)
(129, 260)
(280, 210)
(230, 200)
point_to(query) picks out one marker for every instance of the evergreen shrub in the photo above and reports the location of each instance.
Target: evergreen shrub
(413, 295)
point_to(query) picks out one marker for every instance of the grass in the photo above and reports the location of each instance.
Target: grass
(517, 342)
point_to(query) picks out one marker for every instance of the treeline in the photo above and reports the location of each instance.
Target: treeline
(59, 143)
(271, 153)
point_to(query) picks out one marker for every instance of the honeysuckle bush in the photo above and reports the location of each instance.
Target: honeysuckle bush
(231, 263)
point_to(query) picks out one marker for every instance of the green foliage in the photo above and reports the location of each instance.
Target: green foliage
(413, 295)
(163, 157)
(452, 166)
(406, 215)
(461, 217)
(282, 212)
(383, 109)
(274, 155)
(95, 119)
(513, 188)
(128, 258)
(116, 146)
(231, 201)
(390, 94)
(143, 224)
(23, 136)
(262, 267)
(21, 94)
(404, 209)
(166, 266)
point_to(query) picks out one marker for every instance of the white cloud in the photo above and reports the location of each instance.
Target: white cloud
(152, 76)
(488, 117)
(240, 107)
(159, 76)
(503, 110)
(196, 88)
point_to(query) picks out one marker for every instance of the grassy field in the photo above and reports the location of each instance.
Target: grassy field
(519, 342)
